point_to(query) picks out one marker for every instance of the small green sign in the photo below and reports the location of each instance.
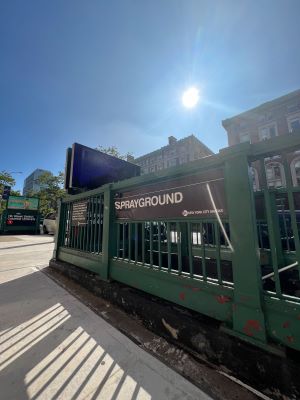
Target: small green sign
(23, 203)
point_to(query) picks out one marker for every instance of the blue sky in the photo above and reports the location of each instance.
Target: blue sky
(113, 72)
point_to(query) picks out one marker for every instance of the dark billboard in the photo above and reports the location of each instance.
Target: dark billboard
(195, 196)
(90, 168)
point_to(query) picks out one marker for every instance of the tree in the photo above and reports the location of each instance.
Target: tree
(15, 192)
(5, 180)
(113, 151)
(51, 191)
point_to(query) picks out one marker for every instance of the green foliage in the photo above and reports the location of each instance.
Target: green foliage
(15, 193)
(113, 151)
(51, 191)
(5, 180)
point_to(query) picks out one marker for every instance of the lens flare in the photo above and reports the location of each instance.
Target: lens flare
(190, 97)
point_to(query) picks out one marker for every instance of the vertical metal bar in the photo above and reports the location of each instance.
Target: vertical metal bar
(82, 227)
(136, 242)
(143, 243)
(66, 223)
(67, 226)
(260, 234)
(118, 240)
(87, 239)
(203, 253)
(100, 223)
(77, 236)
(129, 240)
(91, 224)
(95, 219)
(85, 227)
(151, 243)
(285, 226)
(71, 226)
(159, 244)
(74, 232)
(108, 241)
(271, 227)
(243, 242)
(218, 247)
(179, 255)
(123, 240)
(190, 250)
(169, 246)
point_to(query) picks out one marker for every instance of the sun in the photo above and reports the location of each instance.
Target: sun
(190, 97)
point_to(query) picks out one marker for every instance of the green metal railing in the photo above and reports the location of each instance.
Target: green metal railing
(241, 269)
(85, 235)
(183, 248)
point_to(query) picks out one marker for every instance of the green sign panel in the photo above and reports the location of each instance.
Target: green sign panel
(22, 203)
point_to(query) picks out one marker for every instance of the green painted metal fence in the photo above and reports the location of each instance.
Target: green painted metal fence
(241, 269)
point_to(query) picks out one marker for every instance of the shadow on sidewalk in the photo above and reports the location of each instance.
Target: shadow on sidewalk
(53, 346)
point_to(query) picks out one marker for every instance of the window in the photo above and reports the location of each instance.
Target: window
(275, 175)
(293, 107)
(244, 137)
(172, 162)
(295, 170)
(262, 118)
(51, 216)
(254, 177)
(267, 132)
(294, 122)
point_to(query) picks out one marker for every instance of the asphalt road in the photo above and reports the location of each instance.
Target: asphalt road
(54, 347)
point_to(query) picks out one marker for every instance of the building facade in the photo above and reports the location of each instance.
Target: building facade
(278, 117)
(177, 152)
(31, 183)
(274, 118)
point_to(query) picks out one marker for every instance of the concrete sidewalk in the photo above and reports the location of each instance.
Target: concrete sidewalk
(53, 347)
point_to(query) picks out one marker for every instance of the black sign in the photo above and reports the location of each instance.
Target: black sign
(6, 192)
(79, 213)
(19, 219)
(195, 196)
(88, 168)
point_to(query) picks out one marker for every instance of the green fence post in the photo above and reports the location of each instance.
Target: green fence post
(108, 232)
(58, 231)
(248, 315)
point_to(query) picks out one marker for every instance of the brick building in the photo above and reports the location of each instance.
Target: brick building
(274, 118)
(177, 152)
(280, 116)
